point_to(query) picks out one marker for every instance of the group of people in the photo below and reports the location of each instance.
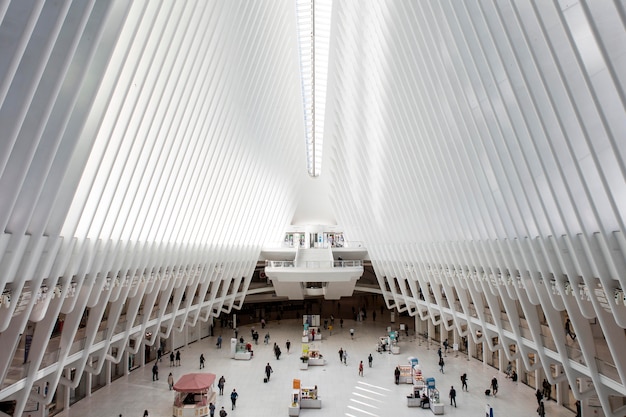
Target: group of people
(233, 398)
(175, 358)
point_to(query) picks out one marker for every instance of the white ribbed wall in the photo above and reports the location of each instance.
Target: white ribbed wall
(149, 149)
(478, 147)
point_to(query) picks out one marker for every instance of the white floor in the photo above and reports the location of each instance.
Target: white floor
(342, 391)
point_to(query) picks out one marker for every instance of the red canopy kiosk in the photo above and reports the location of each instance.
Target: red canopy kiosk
(194, 392)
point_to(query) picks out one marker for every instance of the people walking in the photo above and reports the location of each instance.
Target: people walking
(288, 345)
(396, 374)
(494, 386)
(277, 351)
(441, 364)
(211, 410)
(361, 368)
(352, 333)
(201, 360)
(340, 354)
(266, 339)
(223, 412)
(170, 381)
(439, 352)
(452, 396)
(220, 384)
(268, 371)
(370, 359)
(171, 358)
(464, 382)
(155, 372)
(345, 357)
(219, 342)
(178, 358)
(233, 398)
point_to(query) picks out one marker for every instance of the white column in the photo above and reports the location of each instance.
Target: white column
(88, 378)
(107, 370)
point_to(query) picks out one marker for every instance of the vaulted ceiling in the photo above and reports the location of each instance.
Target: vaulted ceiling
(476, 148)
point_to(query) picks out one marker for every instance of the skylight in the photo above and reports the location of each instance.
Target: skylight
(313, 22)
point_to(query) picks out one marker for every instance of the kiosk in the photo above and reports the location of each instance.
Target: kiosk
(240, 351)
(316, 358)
(303, 397)
(194, 392)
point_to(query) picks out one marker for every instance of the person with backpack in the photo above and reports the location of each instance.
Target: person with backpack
(233, 398)
(223, 412)
(464, 382)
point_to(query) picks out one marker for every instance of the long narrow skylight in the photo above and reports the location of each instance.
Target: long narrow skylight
(313, 21)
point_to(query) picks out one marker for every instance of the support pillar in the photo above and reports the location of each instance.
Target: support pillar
(431, 332)
(485, 357)
(125, 362)
(88, 378)
(66, 392)
(107, 370)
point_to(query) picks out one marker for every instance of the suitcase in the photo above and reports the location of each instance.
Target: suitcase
(265, 380)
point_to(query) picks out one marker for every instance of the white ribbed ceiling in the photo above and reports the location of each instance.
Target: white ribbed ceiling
(474, 147)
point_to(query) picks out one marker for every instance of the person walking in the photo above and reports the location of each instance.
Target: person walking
(361, 368)
(494, 385)
(268, 371)
(541, 410)
(370, 359)
(464, 382)
(345, 357)
(452, 396)
(219, 342)
(396, 374)
(441, 364)
(233, 398)
(220, 384)
(439, 352)
(547, 389)
(170, 381)
(352, 333)
(288, 345)
(171, 358)
(155, 372)
(223, 412)
(145, 413)
(211, 410)
(568, 329)
(178, 358)
(340, 355)
(201, 360)
(341, 323)
(266, 339)
(539, 396)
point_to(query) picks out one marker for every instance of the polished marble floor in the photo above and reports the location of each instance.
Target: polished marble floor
(342, 391)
